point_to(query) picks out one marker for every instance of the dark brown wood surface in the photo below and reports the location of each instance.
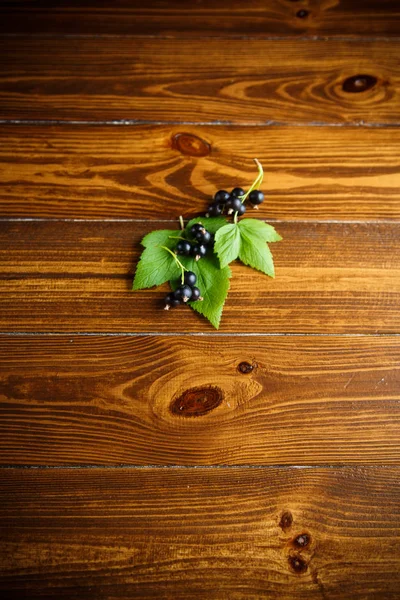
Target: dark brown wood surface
(179, 81)
(220, 18)
(155, 400)
(142, 453)
(77, 276)
(160, 172)
(201, 533)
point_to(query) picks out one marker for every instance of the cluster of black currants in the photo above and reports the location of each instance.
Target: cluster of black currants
(229, 203)
(202, 239)
(197, 247)
(185, 292)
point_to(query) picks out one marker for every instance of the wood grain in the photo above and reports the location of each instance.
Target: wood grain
(220, 18)
(201, 533)
(199, 401)
(157, 172)
(167, 80)
(76, 276)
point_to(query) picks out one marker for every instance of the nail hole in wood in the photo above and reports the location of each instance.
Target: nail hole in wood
(286, 520)
(245, 367)
(302, 540)
(298, 564)
(302, 13)
(359, 83)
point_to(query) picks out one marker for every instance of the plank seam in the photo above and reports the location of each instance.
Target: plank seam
(175, 221)
(188, 334)
(355, 39)
(205, 467)
(218, 123)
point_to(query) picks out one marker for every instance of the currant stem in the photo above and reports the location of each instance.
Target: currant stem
(178, 262)
(256, 183)
(181, 222)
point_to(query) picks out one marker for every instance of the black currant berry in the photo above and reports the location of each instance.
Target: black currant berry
(199, 251)
(196, 294)
(237, 192)
(183, 247)
(233, 205)
(203, 237)
(241, 210)
(190, 278)
(170, 301)
(221, 196)
(214, 210)
(256, 197)
(183, 293)
(196, 227)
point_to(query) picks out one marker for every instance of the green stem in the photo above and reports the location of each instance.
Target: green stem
(178, 262)
(256, 183)
(177, 237)
(181, 222)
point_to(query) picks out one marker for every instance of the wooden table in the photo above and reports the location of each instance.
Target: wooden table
(116, 118)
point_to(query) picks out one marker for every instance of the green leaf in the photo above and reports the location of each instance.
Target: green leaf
(255, 253)
(212, 224)
(213, 283)
(227, 243)
(260, 228)
(161, 237)
(156, 266)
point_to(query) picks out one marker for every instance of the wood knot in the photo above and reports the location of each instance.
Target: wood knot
(190, 144)
(197, 402)
(286, 520)
(359, 83)
(245, 367)
(302, 540)
(298, 564)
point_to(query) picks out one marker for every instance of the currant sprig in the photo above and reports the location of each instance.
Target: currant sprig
(206, 247)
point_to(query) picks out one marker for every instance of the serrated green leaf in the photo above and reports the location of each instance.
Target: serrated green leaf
(255, 253)
(212, 224)
(259, 228)
(227, 243)
(213, 283)
(161, 237)
(156, 266)
(247, 240)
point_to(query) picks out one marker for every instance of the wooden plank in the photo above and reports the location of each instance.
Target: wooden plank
(167, 80)
(207, 18)
(201, 533)
(154, 400)
(76, 276)
(157, 172)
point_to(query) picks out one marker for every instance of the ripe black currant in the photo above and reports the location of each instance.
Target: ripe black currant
(170, 301)
(199, 251)
(196, 227)
(183, 293)
(221, 196)
(183, 247)
(241, 210)
(203, 237)
(237, 191)
(189, 278)
(233, 205)
(196, 294)
(256, 197)
(214, 210)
